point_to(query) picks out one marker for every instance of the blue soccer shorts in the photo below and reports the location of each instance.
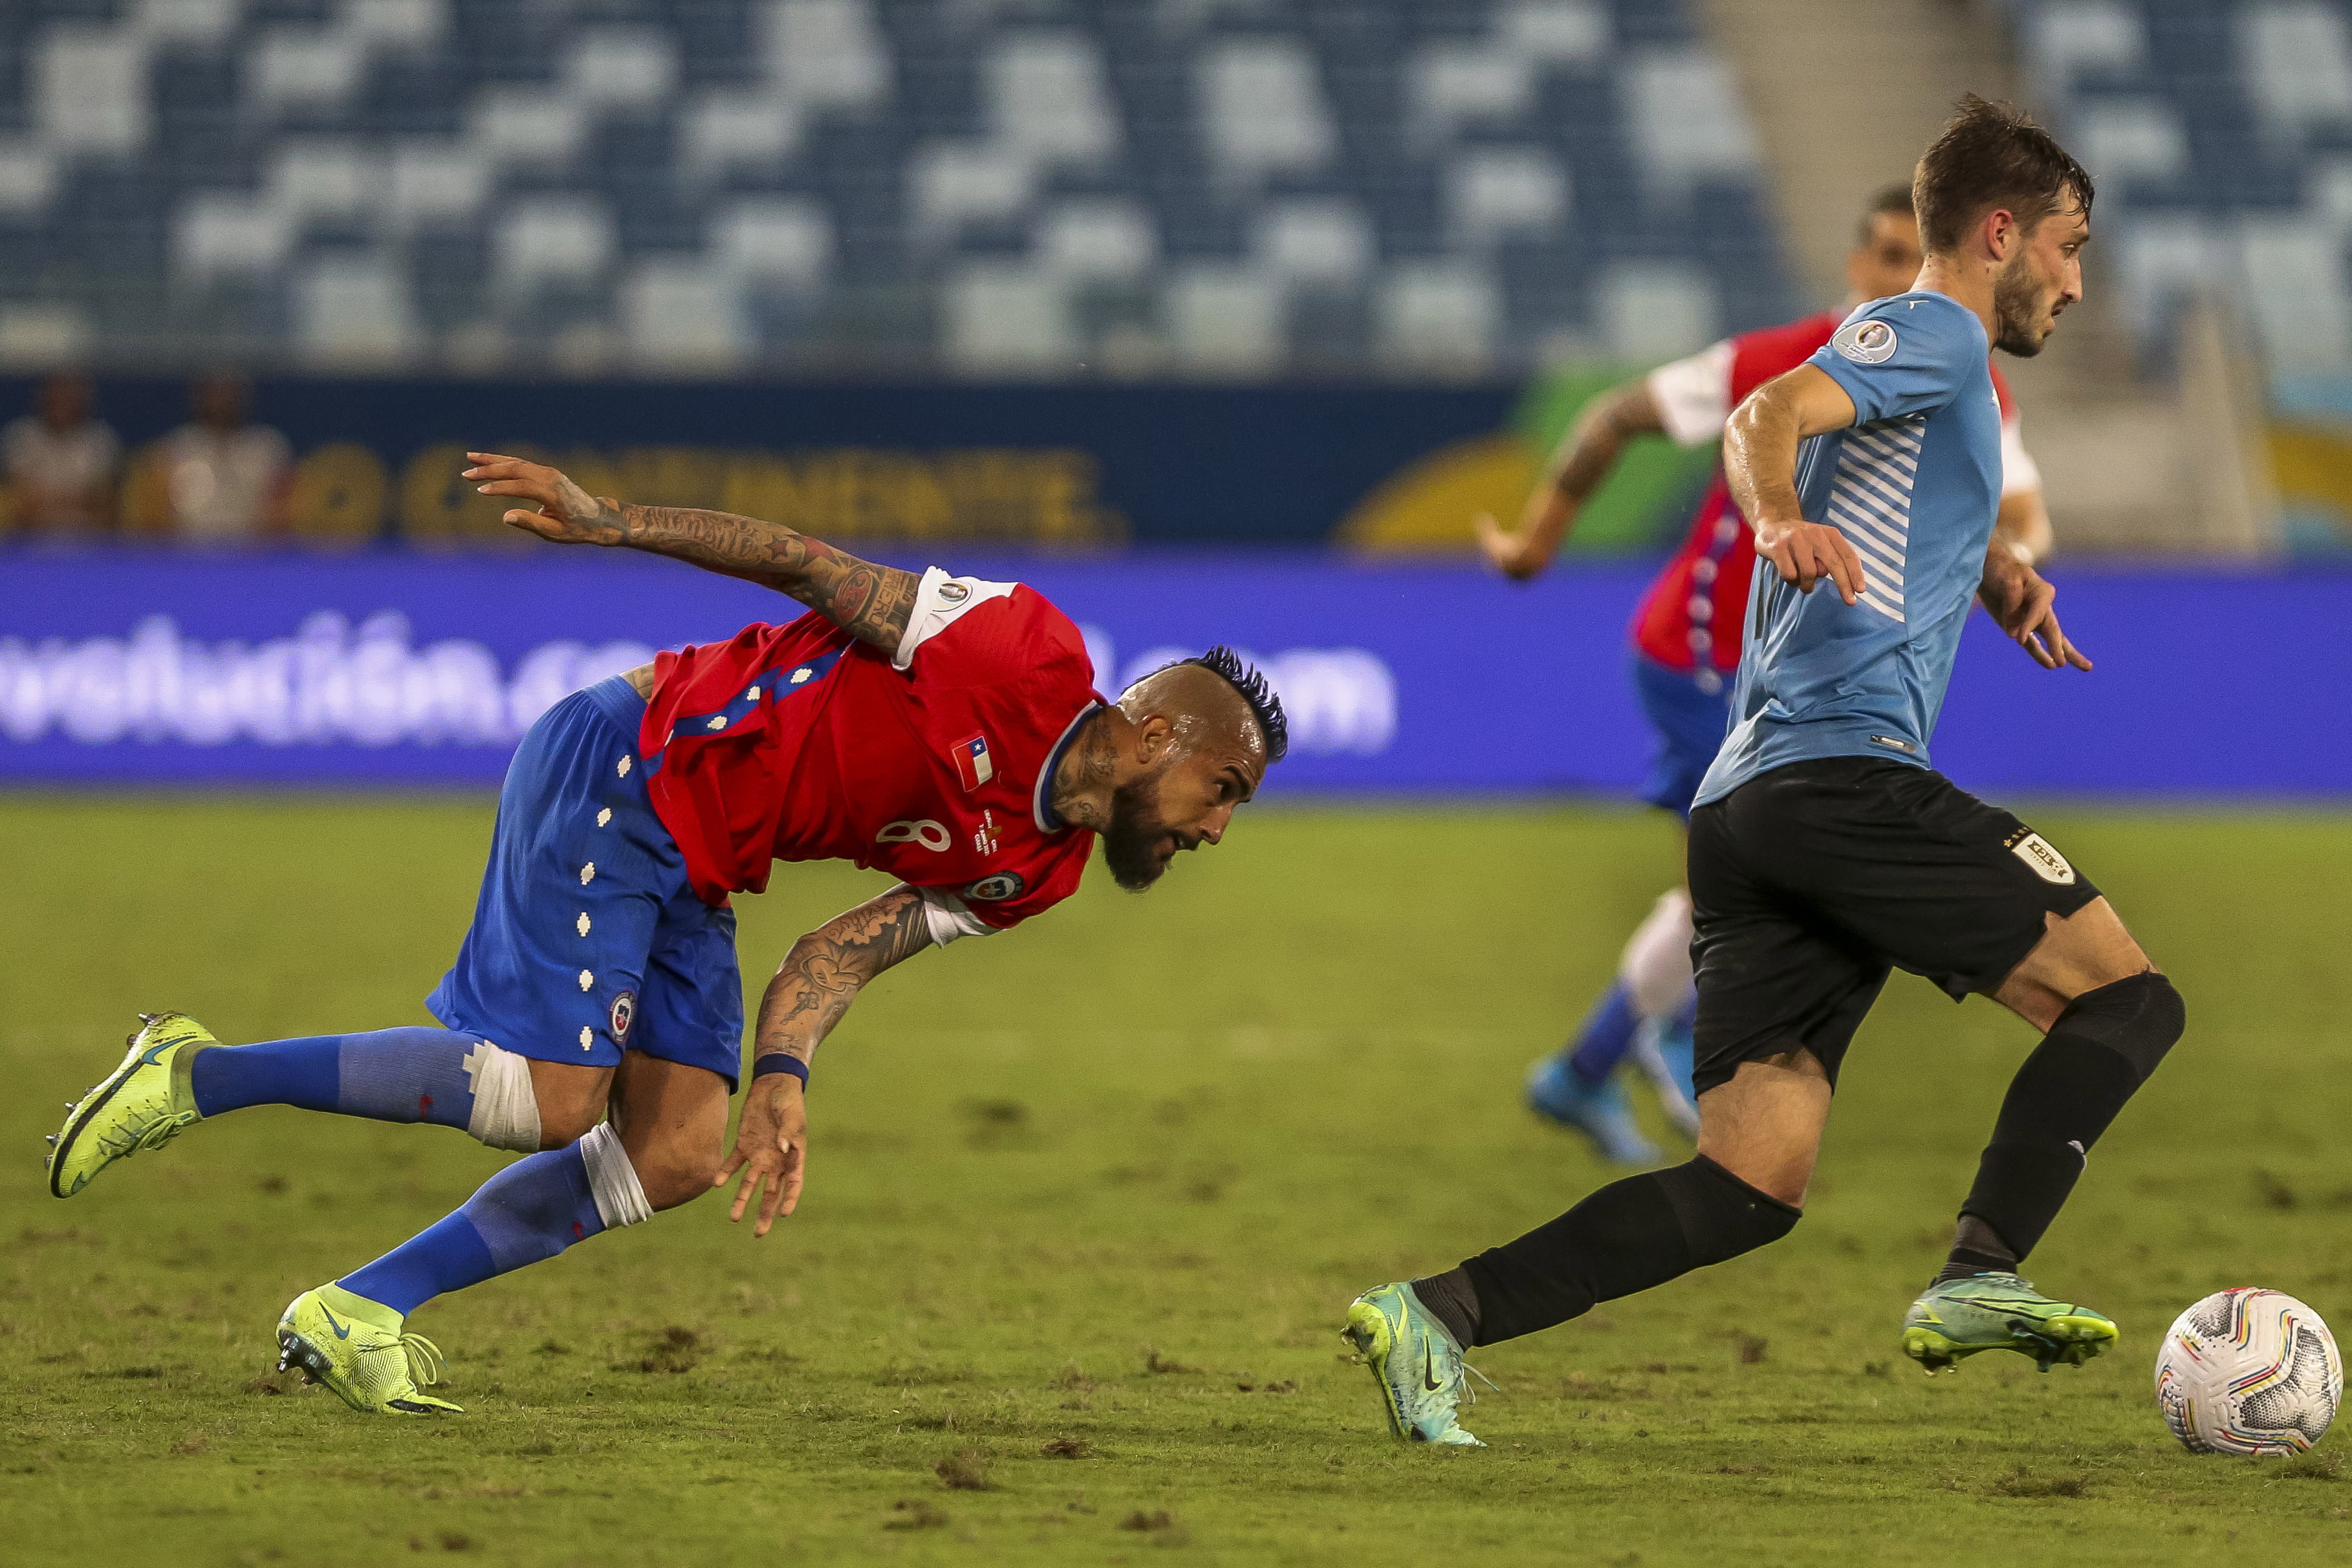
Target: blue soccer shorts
(587, 939)
(1690, 721)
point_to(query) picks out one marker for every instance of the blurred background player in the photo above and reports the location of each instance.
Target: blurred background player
(61, 461)
(1685, 647)
(942, 729)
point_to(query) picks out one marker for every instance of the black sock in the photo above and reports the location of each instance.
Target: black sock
(1452, 1300)
(2101, 1049)
(1977, 1249)
(1627, 1236)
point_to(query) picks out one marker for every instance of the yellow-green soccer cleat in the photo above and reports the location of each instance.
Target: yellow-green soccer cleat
(1416, 1362)
(355, 1347)
(142, 1104)
(1957, 1318)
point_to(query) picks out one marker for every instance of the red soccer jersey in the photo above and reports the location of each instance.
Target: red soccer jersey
(801, 743)
(1691, 617)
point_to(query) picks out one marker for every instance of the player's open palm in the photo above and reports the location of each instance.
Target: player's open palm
(770, 1150)
(560, 511)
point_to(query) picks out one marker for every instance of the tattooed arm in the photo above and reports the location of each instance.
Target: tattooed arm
(817, 982)
(869, 602)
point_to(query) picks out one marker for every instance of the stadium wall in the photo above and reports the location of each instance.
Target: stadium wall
(402, 669)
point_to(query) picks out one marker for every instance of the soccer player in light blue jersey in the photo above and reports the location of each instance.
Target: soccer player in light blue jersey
(1824, 851)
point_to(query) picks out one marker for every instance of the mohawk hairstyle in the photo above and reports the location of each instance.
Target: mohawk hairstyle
(1264, 705)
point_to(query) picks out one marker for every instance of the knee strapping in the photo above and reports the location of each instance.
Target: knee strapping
(1722, 1216)
(2139, 1018)
(1656, 963)
(620, 1198)
(506, 1107)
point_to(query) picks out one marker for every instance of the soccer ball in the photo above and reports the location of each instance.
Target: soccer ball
(2249, 1372)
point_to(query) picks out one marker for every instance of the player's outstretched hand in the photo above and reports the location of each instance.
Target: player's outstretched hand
(2019, 599)
(771, 1149)
(1515, 555)
(1805, 552)
(563, 513)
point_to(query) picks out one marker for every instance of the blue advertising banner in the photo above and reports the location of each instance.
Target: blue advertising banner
(389, 668)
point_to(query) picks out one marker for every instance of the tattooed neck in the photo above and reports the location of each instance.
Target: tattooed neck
(1081, 793)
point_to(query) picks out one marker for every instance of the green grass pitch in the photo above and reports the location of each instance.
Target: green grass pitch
(1086, 1203)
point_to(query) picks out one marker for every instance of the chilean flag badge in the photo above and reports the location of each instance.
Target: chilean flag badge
(973, 764)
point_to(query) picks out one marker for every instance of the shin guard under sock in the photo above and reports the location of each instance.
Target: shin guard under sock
(526, 1213)
(2098, 1053)
(386, 1075)
(1627, 1236)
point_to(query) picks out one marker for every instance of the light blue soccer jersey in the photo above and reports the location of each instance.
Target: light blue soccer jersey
(1914, 485)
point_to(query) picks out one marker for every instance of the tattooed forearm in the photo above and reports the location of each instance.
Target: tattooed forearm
(824, 972)
(869, 602)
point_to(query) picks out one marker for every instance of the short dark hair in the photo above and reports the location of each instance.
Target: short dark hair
(1264, 705)
(1992, 156)
(1893, 199)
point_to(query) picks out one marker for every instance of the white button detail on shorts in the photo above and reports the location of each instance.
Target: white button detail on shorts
(753, 695)
(624, 768)
(586, 1034)
(1727, 530)
(803, 673)
(1700, 609)
(588, 873)
(1709, 682)
(584, 923)
(1702, 570)
(720, 723)
(586, 979)
(1700, 640)
(603, 816)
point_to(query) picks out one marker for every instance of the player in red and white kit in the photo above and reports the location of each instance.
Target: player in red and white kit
(942, 729)
(1685, 645)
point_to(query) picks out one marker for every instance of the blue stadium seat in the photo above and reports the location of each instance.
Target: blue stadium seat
(1241, 187)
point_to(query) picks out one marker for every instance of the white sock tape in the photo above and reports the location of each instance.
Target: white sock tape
(620, 1200)
(1656, 966)
(506, 1109)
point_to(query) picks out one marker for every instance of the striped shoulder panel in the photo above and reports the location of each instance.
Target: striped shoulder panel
(1870, 504)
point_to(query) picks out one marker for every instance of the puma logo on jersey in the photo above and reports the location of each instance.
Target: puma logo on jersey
(932, 835)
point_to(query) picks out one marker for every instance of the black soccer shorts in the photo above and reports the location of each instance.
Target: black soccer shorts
(1810, 883)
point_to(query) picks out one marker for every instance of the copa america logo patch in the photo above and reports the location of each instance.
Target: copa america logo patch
(1865, 342)
(624, 1013)
(995, 890)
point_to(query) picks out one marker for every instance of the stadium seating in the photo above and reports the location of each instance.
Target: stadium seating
(2221, 134)
(985, 186)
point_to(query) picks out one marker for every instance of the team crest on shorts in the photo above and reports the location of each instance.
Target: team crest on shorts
(2035, 851)
(624, 1013)
(1865, 342)
(997, 888)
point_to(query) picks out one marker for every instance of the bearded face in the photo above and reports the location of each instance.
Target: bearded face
(1138, 843)
(2022, 299)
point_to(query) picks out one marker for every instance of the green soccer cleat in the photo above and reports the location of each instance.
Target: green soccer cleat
(355, 1347)
(1414, 1360)
(1957, 1318)
(142, 1104)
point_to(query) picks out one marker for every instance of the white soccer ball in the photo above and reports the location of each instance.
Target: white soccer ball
(2249, 1372)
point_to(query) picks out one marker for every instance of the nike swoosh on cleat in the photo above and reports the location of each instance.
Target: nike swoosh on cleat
(1428, 1366)
(342, 1333)
(147, 1057)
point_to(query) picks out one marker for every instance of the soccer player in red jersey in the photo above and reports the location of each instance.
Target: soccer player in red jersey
(1685, 646)
(942, 729)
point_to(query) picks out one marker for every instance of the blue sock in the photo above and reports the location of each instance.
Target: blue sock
(389, 1075)
(526, 1213)
(1602, 1042)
